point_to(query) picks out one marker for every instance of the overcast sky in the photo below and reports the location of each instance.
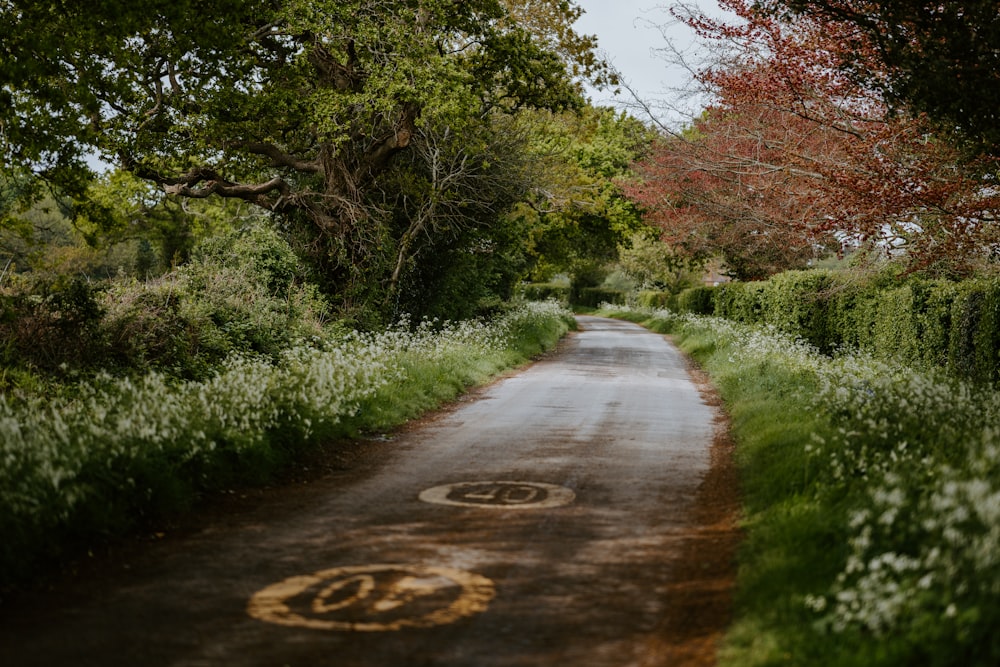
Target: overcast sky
(629, 33)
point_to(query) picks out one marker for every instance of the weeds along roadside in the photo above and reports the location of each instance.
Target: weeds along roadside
(111, 452)
(871, 502)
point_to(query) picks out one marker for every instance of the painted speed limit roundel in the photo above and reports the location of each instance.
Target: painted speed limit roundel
(373, 598)
(499, 494)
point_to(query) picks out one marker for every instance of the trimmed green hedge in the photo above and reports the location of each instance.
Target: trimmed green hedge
(592, 297)
(696, 300)
(654, 299)
(544, 292)
(796, 301)
(921, 322)
(975, 331)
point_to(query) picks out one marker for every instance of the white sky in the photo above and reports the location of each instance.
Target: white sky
(629, 33)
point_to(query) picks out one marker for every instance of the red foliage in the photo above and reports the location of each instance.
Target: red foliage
(793, 151)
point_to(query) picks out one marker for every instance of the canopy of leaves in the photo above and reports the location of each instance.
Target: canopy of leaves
(280, 103)
(654, 265)
(576, 213)
(302, 108)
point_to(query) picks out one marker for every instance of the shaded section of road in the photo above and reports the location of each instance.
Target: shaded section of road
(356, 569)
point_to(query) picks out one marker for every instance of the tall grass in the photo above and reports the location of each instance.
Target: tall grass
(110, 451)
(872, 503)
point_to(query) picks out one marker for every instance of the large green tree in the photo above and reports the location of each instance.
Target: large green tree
(299, 107)
(576, 216)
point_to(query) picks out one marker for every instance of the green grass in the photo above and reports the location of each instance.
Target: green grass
(429, 381)
(790, 536)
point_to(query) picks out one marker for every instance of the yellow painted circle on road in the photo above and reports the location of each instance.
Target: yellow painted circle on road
(373, 598)
(499, 495)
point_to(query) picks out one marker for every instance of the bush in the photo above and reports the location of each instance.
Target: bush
(934, 320)
(738, 301)
(797, 302)
(697, 300)
(975, 331)
(652, 299)
(920, 322)
(592, 297)
(243, 293)
(51, 324)
(545, 291)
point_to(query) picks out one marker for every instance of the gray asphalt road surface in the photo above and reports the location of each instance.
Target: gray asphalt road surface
(535, 525)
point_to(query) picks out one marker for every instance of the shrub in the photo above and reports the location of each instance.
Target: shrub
(652, 299)
(243, 293)
(975, 332)
(51, 324)
(892, 325)
(797, 302)
(545, 291)
(934, 320)
(593, 297)
(739, 301)
(927, 323)
(698, 300)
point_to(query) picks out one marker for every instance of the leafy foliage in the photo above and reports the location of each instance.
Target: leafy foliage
(576, 215)
(923, 323)
(245, 292)
(50, 327)
(299, 108)
(656, 265)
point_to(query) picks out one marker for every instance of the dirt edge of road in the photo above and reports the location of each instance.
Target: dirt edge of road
(705, 569)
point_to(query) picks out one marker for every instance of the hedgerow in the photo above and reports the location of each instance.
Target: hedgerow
(244, 292)
(955, 325)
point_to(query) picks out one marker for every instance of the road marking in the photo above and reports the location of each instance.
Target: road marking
(373, 598)
(499, 495)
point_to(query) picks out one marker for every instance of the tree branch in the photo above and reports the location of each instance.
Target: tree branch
(377, 157)
(281, 159)
(255, 193)
(202, 182)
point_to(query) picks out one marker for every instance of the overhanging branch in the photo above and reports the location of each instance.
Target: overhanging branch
(279, 158)
(256, 193)
(203, 182)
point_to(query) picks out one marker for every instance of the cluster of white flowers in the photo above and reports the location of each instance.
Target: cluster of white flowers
(50, 450)
(55, 452)
(946, 521)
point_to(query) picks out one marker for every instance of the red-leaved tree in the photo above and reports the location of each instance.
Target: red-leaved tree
(794, 152)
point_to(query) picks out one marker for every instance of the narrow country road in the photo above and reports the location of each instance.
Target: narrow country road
(548, 522)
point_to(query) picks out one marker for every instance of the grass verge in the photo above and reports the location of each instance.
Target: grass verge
(871, 503)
